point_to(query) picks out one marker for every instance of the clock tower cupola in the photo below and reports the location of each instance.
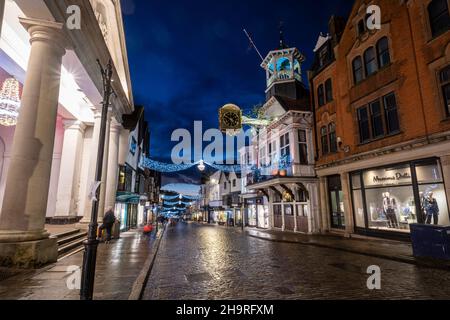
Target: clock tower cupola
(284, 72)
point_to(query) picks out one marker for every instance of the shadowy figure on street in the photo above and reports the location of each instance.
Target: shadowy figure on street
(108, 223)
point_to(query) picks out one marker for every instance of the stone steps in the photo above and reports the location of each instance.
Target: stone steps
(70, 241)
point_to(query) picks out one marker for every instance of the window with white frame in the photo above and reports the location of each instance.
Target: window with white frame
(262, 156)
(284, 146)
(273, 152)
(302, 147)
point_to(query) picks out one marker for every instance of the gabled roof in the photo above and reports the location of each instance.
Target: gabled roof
(321, 41)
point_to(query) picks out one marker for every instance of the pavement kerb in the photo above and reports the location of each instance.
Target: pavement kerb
(139, 284)
(409, 260)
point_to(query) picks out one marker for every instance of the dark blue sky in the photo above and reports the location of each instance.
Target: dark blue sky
(188, 57)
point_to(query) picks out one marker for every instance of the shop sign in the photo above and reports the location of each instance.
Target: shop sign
(383, 177)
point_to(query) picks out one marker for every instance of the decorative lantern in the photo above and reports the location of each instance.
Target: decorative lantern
(201, 166)
(9, 102)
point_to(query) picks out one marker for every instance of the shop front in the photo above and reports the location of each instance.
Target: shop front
(127, 210)
(386, 200)
(257, 212)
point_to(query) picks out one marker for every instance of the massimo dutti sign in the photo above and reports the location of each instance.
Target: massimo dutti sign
(388, 177)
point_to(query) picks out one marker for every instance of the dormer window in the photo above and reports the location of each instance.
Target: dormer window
(323, 56)
(361, 27)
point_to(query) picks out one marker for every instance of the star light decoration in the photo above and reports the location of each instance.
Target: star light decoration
(9, 102)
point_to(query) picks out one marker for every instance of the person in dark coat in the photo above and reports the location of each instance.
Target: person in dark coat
(108, 222)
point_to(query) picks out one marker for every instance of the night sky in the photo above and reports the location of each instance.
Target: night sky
(189, 58)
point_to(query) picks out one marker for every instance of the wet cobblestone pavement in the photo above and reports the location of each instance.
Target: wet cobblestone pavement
(209, 262)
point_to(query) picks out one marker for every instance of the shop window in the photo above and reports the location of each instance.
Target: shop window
(370, 61)
(328, 91)
(439, 17)
(277, 209)
(332, 137)
(324, 140)
(390, 106)
(288, 210)
(363, 123)
(444, 78)
(357, 197)
(384, 57)
(433, 204)
(320, 95)
(303, 147)
(284, 146)
(358, 75)
(390, 198)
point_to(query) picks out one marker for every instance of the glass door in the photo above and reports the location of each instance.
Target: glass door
(336, 197)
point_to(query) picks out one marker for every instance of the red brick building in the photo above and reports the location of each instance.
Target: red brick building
(382, 118)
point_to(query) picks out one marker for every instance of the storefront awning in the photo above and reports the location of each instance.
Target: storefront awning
(127, 197)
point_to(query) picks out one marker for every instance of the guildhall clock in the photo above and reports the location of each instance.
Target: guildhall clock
(230, 118)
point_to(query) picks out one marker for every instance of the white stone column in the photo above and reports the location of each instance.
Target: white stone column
(92, 166)
(27, 184)
(113, 164)
(67, 197)
(283, 225)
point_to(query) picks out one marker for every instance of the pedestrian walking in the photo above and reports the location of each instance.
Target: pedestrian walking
(108, 222)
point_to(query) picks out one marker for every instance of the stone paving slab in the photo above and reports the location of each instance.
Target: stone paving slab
(118, 265)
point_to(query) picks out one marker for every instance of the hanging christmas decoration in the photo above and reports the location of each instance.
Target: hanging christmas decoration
(170, 167)
(9, 102)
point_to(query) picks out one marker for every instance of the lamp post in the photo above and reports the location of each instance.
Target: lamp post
(91, 244)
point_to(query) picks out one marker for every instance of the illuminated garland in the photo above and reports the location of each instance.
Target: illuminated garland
(168, 203)
(283, 163)
(166, 197)
(170, 167)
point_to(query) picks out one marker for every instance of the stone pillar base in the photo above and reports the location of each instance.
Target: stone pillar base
(62, 220)
(28, 254)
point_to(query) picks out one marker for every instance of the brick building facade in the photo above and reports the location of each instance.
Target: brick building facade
(382, 118)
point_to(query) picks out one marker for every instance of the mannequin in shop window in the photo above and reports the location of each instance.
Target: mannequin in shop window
(389, 205)
(431, 209)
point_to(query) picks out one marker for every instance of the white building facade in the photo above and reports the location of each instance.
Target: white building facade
(48, 154)
(281, 188)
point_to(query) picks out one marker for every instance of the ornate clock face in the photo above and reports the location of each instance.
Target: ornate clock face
(231, 119)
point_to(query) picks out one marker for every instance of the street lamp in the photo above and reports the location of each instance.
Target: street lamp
(91, 244)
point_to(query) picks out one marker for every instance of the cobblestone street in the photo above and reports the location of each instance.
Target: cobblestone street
(210, 262)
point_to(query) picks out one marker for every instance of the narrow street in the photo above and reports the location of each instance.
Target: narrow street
(209, 262)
